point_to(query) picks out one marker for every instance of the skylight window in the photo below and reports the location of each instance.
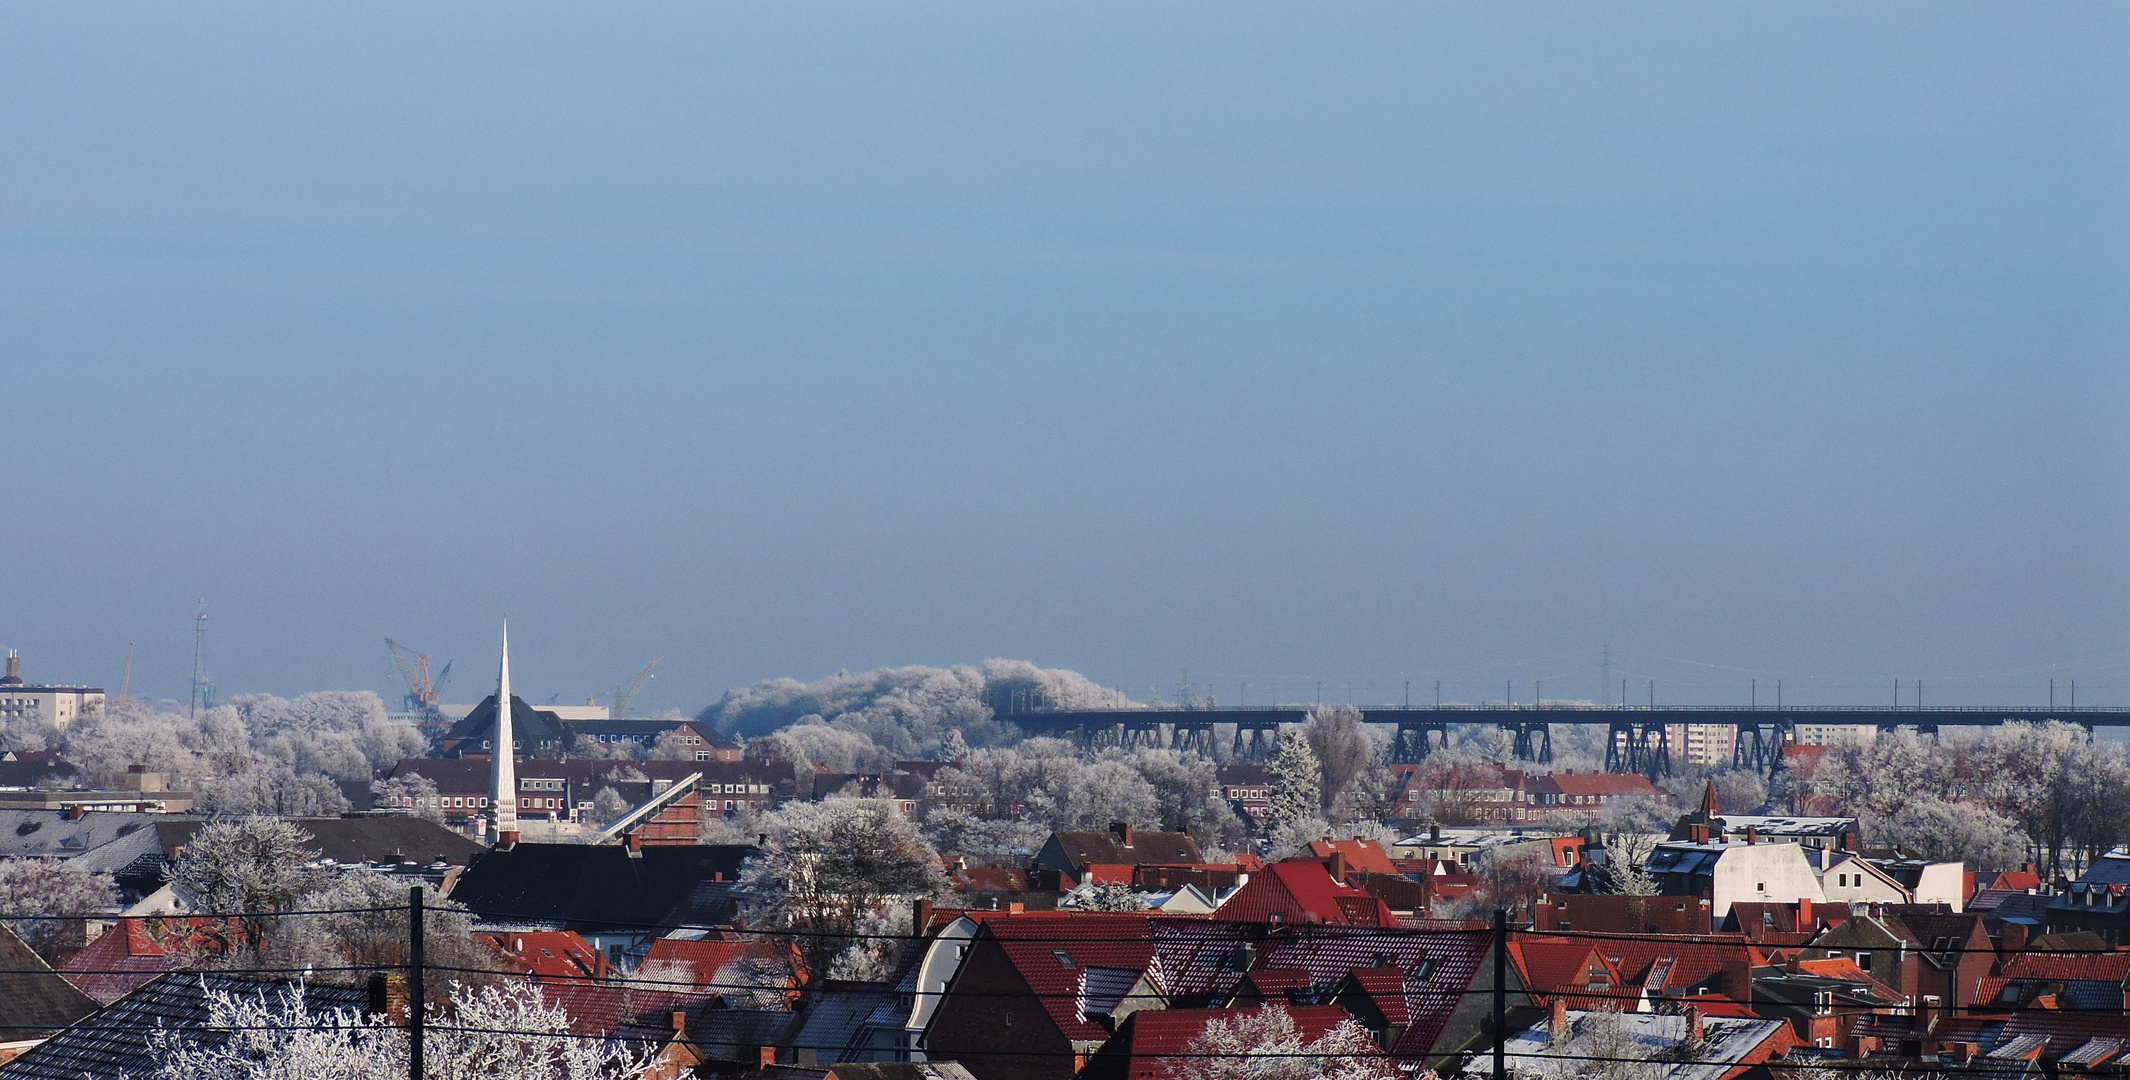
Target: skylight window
(1064, 958)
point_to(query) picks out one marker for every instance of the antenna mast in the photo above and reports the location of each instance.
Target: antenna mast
(202, 690)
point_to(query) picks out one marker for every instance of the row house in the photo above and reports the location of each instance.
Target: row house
(563, 790)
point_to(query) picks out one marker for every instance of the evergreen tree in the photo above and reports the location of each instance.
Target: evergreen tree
(1297, 780)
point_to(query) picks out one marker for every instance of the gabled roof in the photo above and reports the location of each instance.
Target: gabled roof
(1106, 846)
(34, 999)
(114, 1042)
(530, 728)
(1729, 1045)
(1676, 962)
(1052, 955)
(591, 886)
(135, 952)
(1362, 856)
(1152, 1040)
(2108, 967)
(1303, 894)
(550, 955)
(1571, 969)
(1439, 965)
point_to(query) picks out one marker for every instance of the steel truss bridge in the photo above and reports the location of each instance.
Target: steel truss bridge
(1638, 741)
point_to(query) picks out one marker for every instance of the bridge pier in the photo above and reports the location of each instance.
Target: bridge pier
(1528, 748)
(1759, 746)
(1639, 747)
(1415, 740)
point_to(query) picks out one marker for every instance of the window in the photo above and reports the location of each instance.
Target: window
(1064, 958)
(1760, 886)
(1863, 960)
(1842, 880)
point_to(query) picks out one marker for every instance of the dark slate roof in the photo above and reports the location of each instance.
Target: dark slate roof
(114, 1042)
(1147, 847)
(531, 728)
(34, 999)
(2110, 869)
(834, 1019)
(32, 770)
(389, 839)
(52, 833)
(592, 886)
(737, 1034)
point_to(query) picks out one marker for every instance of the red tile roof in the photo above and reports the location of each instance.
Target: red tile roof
(1053, 955)
(132, 953)
(2097, 967)
(1153, 1040)
(1303, 894)
(550, 955)
(1571, 969)
(1365, 856)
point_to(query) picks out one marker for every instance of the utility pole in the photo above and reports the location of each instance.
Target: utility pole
(1408, 693)
(1778, 695)
(1605, 667)
(1508, 693)
(1652, 693)
(200, 692)
(1320, 692)
(1753, 696)
(1501, 994)
(1438, 694)
(417, 1006)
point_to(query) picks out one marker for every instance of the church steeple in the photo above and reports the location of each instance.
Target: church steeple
(1709, 809)
(503, 764)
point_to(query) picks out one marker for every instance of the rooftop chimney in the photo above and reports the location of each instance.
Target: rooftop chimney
(680, 1024)
(1752, 834)
(1697, 833)
(1805, 925)
(1434, 834)
(634, 843)
(1123, 829)
(1337, 865)
(1557, 1023)
(920, 916)
(14, 668)
(2012, 938)
(1696, 1031)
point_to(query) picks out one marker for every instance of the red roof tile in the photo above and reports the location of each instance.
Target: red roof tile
(1154, 1039)
(1303, 894)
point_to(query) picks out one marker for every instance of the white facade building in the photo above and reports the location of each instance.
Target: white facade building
(55, 705)
(1725, 872)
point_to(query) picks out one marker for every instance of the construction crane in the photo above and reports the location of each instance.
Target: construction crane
(414, 667)
(624, 698)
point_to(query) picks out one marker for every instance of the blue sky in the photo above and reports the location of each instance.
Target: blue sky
(1382, 343)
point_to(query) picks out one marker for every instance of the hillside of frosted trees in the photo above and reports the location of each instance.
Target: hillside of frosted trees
(1995, 798)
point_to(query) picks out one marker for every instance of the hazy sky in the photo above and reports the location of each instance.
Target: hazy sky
(1357, 344)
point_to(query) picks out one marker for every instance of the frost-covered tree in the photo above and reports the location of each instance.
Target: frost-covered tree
(1187, 794)
(1266, 1044)
(1104, 896)
(1289, 837)
(1342, 745)
(365, 928)
(1297, 780)
(248, 869)
(829, 866)
(413, 793)
(1947, 831)
(481, 1031)
(954, 747)
(910, 710)
(59, 891)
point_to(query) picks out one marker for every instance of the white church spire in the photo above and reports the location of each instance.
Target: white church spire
(503, 764)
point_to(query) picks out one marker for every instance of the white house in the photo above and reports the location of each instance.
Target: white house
(1849, 878)
(1724, 872)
